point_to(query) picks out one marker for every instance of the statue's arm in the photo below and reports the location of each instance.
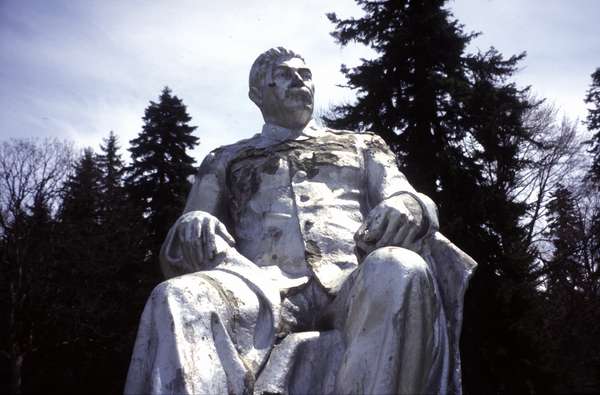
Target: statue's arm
(200, 233)
(398, 214)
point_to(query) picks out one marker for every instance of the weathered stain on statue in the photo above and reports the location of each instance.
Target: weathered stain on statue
(312, 252)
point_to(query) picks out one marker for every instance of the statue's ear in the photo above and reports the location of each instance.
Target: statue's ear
(255, 95)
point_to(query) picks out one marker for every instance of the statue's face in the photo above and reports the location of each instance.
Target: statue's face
(288, 94)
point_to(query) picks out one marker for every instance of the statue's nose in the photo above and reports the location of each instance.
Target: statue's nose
(296, 80)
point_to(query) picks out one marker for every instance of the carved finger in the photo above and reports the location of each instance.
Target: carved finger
(189, 254)
(198, 252)
(406, 235)
(393, 226)
(211, 245)
(185, 252)
(185, 229)
(360, 233)
(222, 231)
(376, 227)
(204, 238)
(191, 230)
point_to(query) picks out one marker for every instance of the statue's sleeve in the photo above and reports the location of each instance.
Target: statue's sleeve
(384, 181)
(207, 196)
(209, 191)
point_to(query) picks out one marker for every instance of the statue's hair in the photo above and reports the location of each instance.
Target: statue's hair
(260, 66)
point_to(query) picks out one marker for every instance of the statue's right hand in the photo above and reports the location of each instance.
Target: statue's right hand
(202, 237)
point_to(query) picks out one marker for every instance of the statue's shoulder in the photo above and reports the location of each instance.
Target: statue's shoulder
(363, 139)
(219, 158)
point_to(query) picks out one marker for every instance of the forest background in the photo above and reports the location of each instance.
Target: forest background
(516, 182)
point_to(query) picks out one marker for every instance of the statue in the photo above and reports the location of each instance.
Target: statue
(304, 262)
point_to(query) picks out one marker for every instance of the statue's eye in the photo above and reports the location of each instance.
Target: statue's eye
(283, 73)
(305, 74)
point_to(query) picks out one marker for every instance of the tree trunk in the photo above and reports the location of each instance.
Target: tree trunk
(15, 379)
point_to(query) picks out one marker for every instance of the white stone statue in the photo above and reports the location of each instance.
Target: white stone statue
(304, 263)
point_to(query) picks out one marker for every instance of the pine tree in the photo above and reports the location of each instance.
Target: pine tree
(573, 286)
(567, 232)
(112, 169)
(592, 98)
(122, 282)
(80, 259)
(455, 122)
(158, 176)
(500, 311)
(408, 94)
(81, 201)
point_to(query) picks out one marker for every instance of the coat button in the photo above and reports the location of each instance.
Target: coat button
(299, 176)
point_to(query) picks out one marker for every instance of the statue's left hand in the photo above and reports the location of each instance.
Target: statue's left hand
(396, 221)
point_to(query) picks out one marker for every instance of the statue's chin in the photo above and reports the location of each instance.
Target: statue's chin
(296, 119)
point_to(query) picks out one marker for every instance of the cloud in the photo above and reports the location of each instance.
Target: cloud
(561, 38)
(80, 69)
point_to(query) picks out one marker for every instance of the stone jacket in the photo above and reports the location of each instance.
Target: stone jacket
(294, 204)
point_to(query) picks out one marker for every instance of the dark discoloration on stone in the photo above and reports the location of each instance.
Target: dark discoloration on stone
(340, 141)
(304, 198)
(177, 385)
(308, 225)
(271, 165)
(274, 233)
(247, 168)
(312, 252)
(376, 143)
(314, 163)
(246, 180)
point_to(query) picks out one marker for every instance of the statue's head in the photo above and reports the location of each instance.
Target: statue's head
(281, 86)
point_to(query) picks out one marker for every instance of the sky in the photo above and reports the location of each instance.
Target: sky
(78, 69)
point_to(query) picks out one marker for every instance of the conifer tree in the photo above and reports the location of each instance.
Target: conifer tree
(592, 98)
(125, 280)
(567, 232)
(111, 167)
(456, 123)
(81, 200)
(407, 95)
(80, 230)
(572, 287)
(158, 175)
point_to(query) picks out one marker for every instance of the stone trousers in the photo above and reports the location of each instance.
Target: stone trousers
(217, 332)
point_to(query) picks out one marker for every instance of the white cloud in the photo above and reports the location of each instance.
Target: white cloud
(80, 69)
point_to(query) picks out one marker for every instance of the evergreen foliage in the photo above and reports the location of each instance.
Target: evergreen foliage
(75, 268)
(592, 98)
(81, 201)
(112, 169)
(566, 231)
(158, 175)
(455, 122)
(573, 293)
(408, 95)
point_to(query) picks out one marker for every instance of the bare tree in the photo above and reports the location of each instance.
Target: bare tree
(553, 156)
(32, 173)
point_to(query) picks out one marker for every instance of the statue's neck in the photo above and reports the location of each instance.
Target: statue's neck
(280, 133)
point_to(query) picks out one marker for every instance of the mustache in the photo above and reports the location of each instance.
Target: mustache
(302, 92)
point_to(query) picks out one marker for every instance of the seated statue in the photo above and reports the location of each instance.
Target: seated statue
(304, 262)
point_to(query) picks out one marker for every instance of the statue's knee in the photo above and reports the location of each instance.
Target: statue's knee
(173, 287)
(161, 291)
(395, 261)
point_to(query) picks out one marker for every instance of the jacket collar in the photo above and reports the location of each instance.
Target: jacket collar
(276, 133)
